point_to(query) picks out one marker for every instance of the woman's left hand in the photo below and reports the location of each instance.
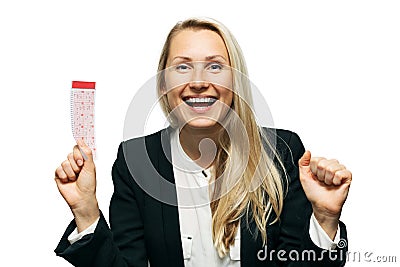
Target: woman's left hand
(326, 184)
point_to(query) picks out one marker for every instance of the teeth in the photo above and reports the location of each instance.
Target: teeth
(200, 100)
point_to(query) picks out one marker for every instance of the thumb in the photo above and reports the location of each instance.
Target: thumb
(85, 151)
(304, 161)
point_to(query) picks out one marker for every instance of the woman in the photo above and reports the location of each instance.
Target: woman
(236, 194)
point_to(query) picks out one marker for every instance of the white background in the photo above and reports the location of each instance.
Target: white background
(328, 70)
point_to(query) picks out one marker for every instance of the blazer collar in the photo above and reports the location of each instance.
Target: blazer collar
(170, 214)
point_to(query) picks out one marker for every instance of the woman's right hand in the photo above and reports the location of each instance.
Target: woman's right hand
(76, 181)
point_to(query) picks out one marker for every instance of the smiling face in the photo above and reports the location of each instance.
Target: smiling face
(198, 79)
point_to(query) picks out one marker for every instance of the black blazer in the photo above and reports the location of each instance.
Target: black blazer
(144, 222)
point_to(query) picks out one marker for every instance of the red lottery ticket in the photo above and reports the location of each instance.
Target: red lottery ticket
(82, 112)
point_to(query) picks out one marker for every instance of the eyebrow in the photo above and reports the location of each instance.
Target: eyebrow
(207, 58)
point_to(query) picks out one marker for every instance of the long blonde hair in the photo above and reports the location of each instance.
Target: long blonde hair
(243, 198)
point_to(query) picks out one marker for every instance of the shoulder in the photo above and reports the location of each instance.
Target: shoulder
(138, 158)
(287, 143)
(150, 138)
(286, 135)
(150, 143)
(143, 154)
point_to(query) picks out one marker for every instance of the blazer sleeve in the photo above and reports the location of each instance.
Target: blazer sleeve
(122, 246)
(294, 238)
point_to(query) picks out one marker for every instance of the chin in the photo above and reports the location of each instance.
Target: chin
(201, 123)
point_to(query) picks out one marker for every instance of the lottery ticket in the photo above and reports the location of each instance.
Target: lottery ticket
(82, 113)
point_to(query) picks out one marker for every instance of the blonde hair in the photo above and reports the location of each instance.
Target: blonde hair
(243, 198)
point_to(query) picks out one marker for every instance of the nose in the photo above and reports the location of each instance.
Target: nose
(199, 85)
(198, 82)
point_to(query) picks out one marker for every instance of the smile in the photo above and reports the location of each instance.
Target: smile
(199, 104)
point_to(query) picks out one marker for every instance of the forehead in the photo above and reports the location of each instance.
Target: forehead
(197, 44)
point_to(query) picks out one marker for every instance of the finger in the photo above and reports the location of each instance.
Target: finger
(60, 174)
(73, 163)
(331, 169)
(58, 181)
(304, 161)
(322, 170)
(322, 167)
(68, 170)
(85, 151)
(342, 176)
(78, 158)
(314, 163)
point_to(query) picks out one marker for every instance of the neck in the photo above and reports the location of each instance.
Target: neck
(200, 144)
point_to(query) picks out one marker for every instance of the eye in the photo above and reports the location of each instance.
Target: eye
(182, 68)
(214, 67)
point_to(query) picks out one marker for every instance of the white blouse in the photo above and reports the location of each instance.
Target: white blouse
(195, 213)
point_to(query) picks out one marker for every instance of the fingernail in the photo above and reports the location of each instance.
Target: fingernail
(83, 154)
(80, 162)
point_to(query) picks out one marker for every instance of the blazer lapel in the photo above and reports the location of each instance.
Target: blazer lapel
(247, 243)
(170, 214)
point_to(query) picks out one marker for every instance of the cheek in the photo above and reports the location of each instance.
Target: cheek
(170, 100)
(228, 97)
(173, 98)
